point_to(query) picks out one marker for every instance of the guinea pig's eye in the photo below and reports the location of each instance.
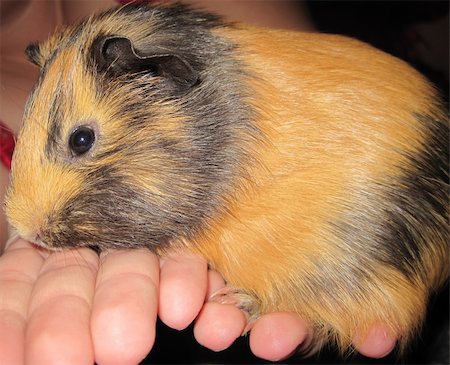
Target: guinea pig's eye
(81, 140)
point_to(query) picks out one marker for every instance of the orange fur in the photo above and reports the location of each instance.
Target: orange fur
(328, 135)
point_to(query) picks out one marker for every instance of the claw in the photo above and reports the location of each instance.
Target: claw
(241, 300)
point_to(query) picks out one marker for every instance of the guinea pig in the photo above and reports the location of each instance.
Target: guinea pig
(310, 170)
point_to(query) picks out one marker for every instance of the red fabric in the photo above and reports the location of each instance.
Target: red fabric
(7, 142)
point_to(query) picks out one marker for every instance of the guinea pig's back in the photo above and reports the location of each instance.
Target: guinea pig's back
(349, 194)
(342, 120)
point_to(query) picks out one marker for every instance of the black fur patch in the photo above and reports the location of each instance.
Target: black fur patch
(55, 116)
(32, 52)
(396, 227)
(422, 202)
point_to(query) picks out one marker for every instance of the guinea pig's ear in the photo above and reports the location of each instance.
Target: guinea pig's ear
(34, 55)
(116, 56)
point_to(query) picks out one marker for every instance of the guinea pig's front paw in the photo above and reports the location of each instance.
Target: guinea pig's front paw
(241, 300)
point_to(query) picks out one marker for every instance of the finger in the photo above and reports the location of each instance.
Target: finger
(378, 343)
(19, 268)
(125, 307)
(276, 336)
(183, 288)
(59, 311)
(218, 325)
(215, 283)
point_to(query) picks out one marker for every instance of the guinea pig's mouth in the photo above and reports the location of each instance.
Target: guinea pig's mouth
(38, 242)
(95, 248)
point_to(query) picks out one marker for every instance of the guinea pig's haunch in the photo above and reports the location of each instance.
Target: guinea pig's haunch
(310, 170)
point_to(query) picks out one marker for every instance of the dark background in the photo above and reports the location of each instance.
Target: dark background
(397, 28)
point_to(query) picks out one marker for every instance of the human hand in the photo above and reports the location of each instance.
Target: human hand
(273, 337)
(66, 308)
